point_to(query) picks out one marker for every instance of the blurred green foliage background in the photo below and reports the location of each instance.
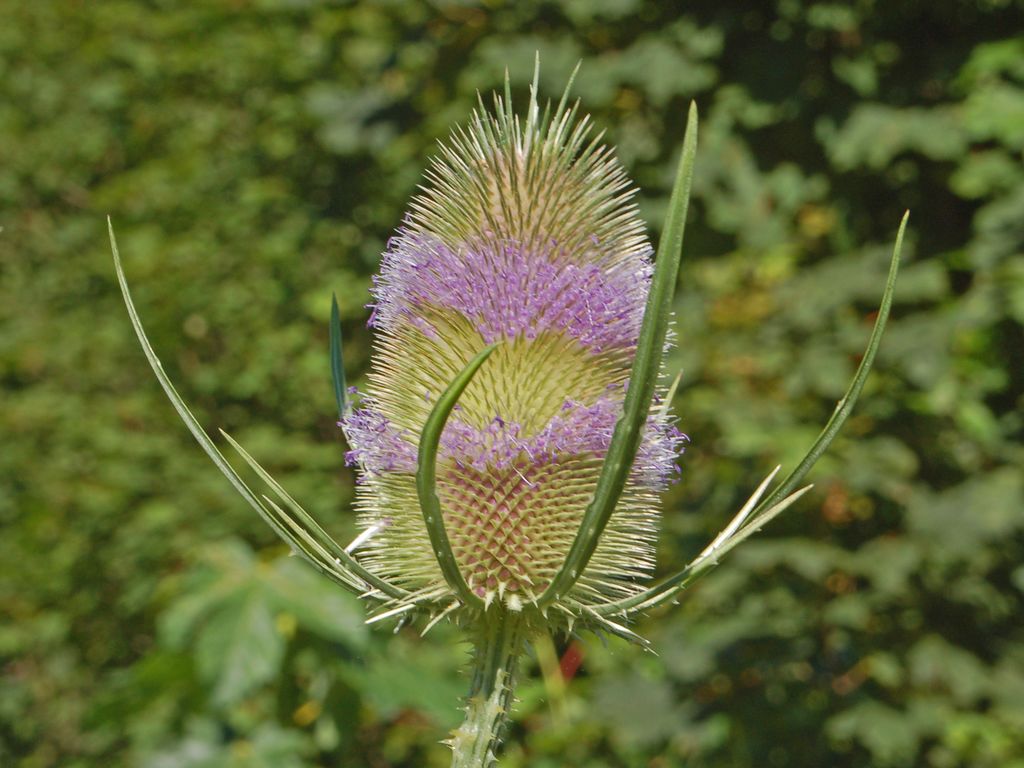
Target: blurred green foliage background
(255, 157)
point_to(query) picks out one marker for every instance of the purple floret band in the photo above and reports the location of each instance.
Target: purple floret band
(506, 291)
(377, 446)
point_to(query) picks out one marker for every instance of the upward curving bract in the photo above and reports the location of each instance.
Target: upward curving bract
(524, 234)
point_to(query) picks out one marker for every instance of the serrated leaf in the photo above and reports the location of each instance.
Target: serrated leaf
(316, 603)
(225, 571)
(239, 647)
(419, 677)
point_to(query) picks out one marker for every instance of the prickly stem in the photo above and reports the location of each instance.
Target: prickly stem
(498, 644)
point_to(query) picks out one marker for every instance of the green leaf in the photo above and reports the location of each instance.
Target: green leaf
(205, 746)
(231, 599)
(936, 664)
(226, 570)
(405, 674)
(875, 134)
(239, 647)
(316, 604)
(887, 733)
(962, 519)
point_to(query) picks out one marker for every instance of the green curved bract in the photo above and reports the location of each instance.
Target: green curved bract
(426, 478)
(643, 378)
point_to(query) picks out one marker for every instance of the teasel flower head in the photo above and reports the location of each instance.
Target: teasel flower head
(524, 236)
(515, 433)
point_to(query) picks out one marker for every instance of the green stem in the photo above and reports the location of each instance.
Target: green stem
(496, 655)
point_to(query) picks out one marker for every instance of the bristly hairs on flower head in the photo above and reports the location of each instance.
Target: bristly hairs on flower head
(510, 458)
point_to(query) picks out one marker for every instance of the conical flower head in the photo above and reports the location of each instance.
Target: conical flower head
(524, 234)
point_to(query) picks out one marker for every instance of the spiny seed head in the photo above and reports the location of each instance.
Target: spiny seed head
(524, 233)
